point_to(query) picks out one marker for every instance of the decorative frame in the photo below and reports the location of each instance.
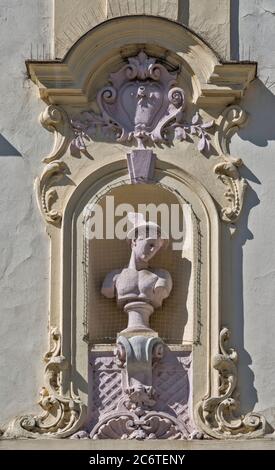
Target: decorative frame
(210, 89)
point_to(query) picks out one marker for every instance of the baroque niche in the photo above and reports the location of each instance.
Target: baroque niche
(142, 119)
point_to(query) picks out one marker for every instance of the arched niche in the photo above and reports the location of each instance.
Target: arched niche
(186, 169)
(104, 320)
(203, 271)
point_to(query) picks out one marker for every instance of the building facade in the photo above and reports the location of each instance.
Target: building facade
(110, 107)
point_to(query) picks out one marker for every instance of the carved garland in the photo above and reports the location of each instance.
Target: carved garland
(62, 415)
(141, 106)
(163, 123)
(217, 413)
(157, 117)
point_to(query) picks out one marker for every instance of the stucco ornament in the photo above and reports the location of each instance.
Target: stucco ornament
(55, 120)
(231, 120)
(134, 417)
(130, 426)
(217, 413)
(136, 355)
(141, 105)
(138, 288)
(62, 414)
(137, 410)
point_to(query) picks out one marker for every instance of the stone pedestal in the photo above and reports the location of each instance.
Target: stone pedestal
(138, 318)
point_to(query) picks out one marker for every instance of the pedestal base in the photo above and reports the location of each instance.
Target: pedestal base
(138, 319)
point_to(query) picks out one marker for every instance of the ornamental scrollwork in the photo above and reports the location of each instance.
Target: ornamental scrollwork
(46, 192)
(143, 106)
(231, 120)
(62, 414)
(228, 173)
(135, 416)
(56, 120)
(216, 414)
(130, 426)
(227, 170)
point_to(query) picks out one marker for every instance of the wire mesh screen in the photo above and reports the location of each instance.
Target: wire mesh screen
(104, 318)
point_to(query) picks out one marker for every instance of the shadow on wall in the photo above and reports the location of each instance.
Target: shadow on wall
(248, 393)
(183, 18)
(234, 30)
(183, 12)
(7, 149)
(259, 102)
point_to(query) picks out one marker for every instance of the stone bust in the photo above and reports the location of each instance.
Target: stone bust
(138, 288)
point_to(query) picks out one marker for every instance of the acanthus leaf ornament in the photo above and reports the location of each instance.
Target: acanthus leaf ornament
(46, 194)
(130, 426)
(230, 121)
(141, 105)
(55, 120)
(227, 171)
(216, 414)
(62, 414)
(136, 414)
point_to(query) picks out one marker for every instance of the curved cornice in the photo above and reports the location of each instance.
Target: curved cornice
(104, 48)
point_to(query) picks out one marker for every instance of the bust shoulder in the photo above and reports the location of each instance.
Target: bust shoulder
(108, 286)
(164, 280)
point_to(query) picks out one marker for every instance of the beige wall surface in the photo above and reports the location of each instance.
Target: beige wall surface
(209, 18)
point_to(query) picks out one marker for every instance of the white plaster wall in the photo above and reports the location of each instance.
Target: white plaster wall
(24, 247)
(254, 312)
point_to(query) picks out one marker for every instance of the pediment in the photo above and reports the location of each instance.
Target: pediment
(105, 48)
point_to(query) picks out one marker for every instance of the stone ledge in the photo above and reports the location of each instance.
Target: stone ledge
(69, 444)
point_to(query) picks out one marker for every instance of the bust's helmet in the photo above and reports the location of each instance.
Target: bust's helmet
(145, 229)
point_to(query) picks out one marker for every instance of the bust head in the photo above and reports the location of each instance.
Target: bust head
(145, 237)
(145, 246)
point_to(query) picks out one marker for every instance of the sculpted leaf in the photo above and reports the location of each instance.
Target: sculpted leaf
(195, 118)
(202, 143)
(141, 106)
(207, 125)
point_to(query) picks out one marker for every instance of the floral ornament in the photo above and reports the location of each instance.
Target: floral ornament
(141, 106)
(183, 130)
(88, 130)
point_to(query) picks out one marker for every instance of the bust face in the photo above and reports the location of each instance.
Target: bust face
(146, 248)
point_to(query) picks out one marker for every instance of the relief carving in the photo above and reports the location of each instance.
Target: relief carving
(62, 414)
(159, 411)
(231, 120)
(47, 195)
(55, 120)
(217, 413)
(141, 106)
(130, 426)
(229, 175)
(139, 353)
